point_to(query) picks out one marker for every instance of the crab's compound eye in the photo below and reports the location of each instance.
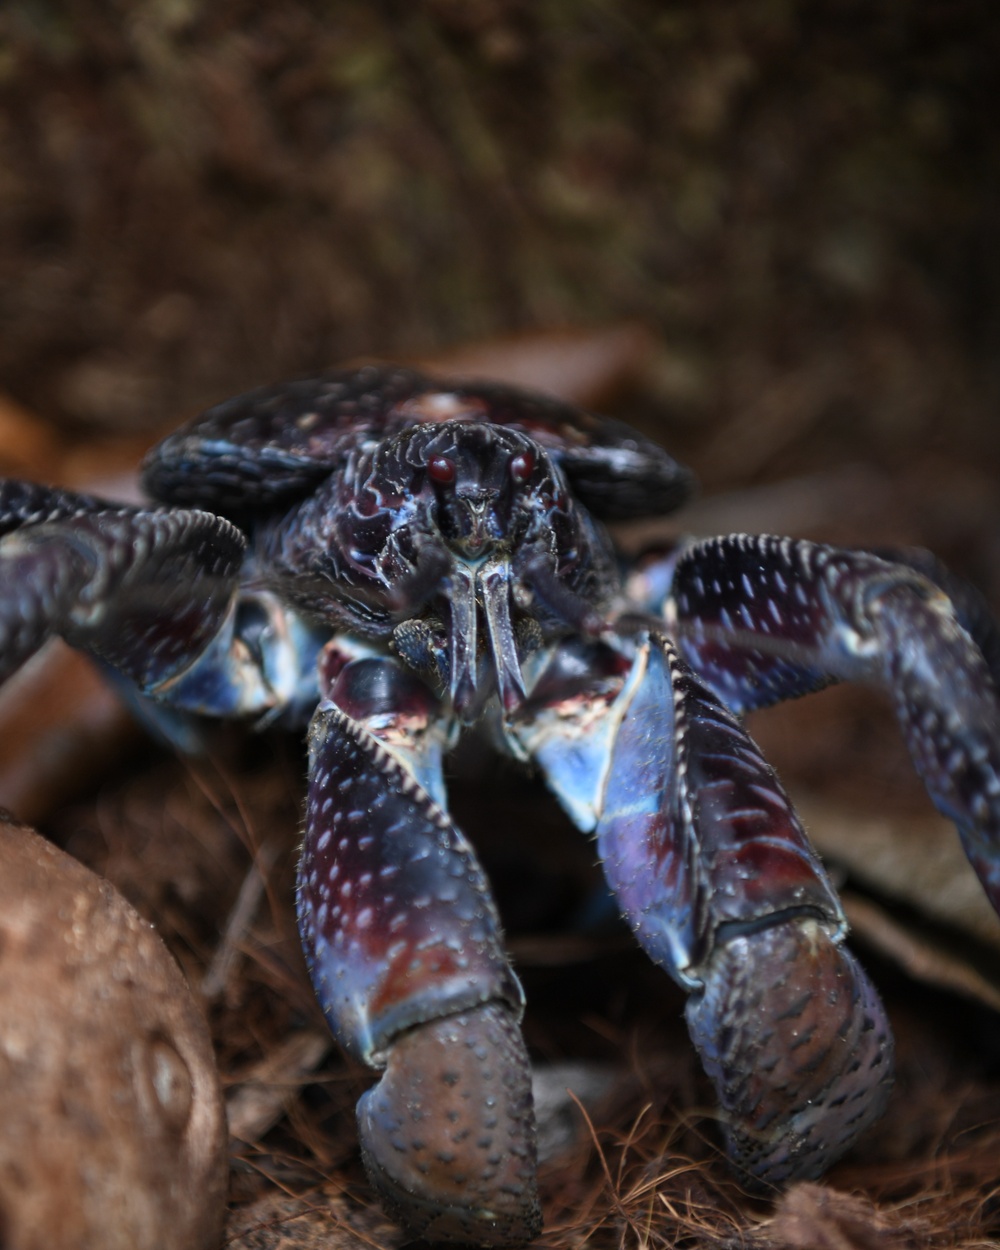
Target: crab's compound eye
(522, 466)
(441, 470)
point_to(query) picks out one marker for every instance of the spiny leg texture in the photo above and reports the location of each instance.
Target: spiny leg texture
(145, 591)
(762, 619)
(405, 954)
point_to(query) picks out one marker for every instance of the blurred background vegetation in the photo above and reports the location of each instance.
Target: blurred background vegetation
(799, 199)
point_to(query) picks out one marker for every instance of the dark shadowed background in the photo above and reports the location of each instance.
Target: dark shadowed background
(800, 199)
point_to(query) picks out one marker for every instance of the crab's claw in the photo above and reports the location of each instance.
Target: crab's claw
(447, 1135)
(713, 871)
(404, 950)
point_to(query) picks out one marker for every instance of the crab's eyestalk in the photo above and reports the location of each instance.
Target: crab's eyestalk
(485, 480)
(465, 507)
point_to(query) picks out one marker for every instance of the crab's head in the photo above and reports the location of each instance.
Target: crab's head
(491, 486)
(489, 540)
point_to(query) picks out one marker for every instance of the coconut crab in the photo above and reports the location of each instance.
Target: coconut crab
(391, 559)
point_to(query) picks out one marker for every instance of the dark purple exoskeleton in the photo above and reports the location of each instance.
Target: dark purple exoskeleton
(392, 559)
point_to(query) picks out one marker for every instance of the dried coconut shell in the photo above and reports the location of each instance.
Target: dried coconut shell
(113, 1131)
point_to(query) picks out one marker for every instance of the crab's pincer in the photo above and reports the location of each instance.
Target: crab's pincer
(795, 1040)
(714, 873)
(448, 1134)
(404, 949)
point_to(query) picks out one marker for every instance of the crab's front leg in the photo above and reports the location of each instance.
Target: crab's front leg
(762, 619)
(405, 954)
(146, 590)
(717, 879)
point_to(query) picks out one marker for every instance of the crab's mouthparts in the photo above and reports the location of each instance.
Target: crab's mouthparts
(479, 530)
(487, 587)
(485, 592)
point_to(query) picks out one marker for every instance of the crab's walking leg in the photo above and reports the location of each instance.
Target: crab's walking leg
(717, 879)
(762, 619)
(404, 949)
(146, 591)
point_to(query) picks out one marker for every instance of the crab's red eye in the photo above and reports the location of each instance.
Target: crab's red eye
(440, 469)
(522, 466)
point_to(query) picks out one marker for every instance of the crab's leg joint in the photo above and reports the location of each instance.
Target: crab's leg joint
(405, 953)
(714, 873)
(767, 618)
